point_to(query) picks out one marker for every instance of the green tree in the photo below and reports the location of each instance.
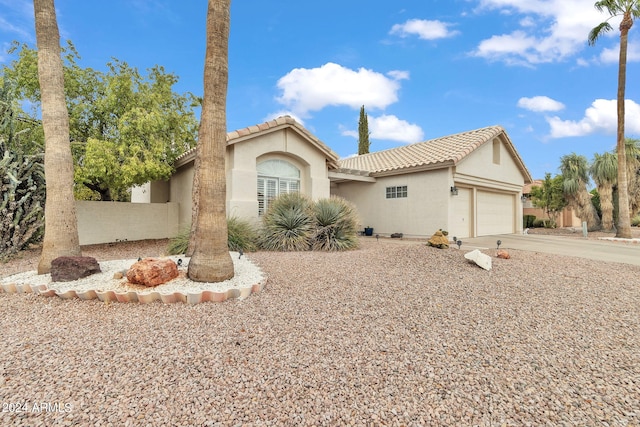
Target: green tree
(210, 261)
(550, 197)
(61, 224)
(629, 10)
(126, 129)
(604, 171)
(363, 133)
(575, 177)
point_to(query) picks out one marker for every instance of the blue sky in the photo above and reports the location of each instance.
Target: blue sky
(422, 68)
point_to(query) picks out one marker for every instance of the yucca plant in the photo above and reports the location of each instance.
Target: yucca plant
(241, 235)
(336, 225)
(288, 224)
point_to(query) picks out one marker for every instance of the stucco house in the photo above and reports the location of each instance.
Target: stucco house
(469, 183)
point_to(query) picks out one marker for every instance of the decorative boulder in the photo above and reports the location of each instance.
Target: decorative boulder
(438, 240)
(480, 259)
(503, 254)
(152, 272)
(69, 268)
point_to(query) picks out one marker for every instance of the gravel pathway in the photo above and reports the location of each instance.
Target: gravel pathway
(391, 334)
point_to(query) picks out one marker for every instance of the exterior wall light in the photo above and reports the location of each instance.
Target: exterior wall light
(454, 191)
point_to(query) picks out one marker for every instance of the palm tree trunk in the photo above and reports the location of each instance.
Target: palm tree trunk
(586, 211)
(61, 225)
(606, 206)
(211, 261)
(624, 217)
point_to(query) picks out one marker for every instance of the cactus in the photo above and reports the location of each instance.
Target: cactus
(22, 183)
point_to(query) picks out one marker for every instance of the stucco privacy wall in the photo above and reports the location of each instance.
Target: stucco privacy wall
(104, 222)
(420, 214)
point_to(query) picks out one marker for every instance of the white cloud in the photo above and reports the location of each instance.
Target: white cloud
(601, 117)
(312, 89)
(398, 75)
(424, 29)
(540, 103)
(549, 30)
(391, 128)
(612, 55)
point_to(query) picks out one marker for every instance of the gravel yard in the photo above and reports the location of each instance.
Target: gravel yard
(395, 333)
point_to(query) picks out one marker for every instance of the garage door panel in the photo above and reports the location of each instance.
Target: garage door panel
(495, 213)
(460, 224)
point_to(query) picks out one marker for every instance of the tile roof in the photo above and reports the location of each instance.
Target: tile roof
(280, 122)
(447, 150)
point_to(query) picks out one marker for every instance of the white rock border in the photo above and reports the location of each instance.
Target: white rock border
(249, 279)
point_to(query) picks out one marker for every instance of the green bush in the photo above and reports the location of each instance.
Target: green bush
(178, 244)
(336, 225)
(288, 224)
(241, 235)
(538, 223)
(528, 220)
(635, 221)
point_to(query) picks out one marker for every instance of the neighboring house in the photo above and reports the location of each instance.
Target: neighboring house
(567, 217)
(469, 184)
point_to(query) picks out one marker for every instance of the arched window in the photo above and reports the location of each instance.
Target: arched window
(275, 177)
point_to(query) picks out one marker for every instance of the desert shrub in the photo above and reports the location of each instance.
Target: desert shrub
(336, 225)
(241, 235)
(178, 244)
(539, 223)
(528, 220)
(288, 224)
(635, 221)
(22, 182)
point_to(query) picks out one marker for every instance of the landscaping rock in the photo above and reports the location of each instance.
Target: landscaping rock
(69, 268)
(480, 259)
(152, 272)
(503, 254)
(438, 240)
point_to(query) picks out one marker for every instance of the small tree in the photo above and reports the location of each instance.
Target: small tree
(363, 133)
(550, 197)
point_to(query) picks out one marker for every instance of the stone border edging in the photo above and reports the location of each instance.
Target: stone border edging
(133, 296)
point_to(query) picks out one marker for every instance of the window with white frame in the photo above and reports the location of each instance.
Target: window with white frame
(396, 192)
(275, 177)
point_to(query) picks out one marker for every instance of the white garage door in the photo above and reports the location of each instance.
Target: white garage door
(495, 213)
(461, 217)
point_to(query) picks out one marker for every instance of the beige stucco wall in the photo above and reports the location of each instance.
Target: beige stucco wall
(503, 176)
(105, 222)
(420, 214)
(479, 172)
(242, 176)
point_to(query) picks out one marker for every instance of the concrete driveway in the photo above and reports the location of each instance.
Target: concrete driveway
(601, 250)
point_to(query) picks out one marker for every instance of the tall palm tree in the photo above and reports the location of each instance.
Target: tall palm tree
(604, 171)
(629, 10)
(574, 169)
(61, 224)
(210, 261)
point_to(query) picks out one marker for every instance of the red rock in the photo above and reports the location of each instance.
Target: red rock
(503, 254)
(152, 272)
(69, 268)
